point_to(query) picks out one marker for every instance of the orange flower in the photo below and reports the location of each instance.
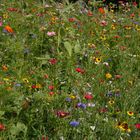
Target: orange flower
(4, 68)
(101, 10)
(8, 29)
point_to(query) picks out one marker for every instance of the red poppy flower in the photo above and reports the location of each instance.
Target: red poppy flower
(53, 61)
(132, 15)
(118, 76)
(135, 4)
(51, 87)
(116, 36)
(44, 138)
(2, 127)
(33, 86)
(90, 13)
(101, 10)
(79, 70)
(137, 126)
(123, 48)
(46, 76)
(103, 110)
(88, 96)
(71, 19)
(51, 93)
(62, 114)
(12, 9)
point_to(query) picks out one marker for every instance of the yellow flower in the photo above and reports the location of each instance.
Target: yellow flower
(127, 27)
(6, 79)
(25, 80)
(9, 88)
(137, 28)
(73, 97)
(130, 113)
(130, 82)
(103, 37)
(4, 68)
(108, 75)
(53, 20)
(123, 126)
(38, 86)
(111, 102)
(5, 15)
(98, 60)
(113, 27)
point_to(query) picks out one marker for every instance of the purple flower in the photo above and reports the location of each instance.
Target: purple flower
(74, 123)
(109, 94)
(68, 99)
(17, 84)
(81, 105)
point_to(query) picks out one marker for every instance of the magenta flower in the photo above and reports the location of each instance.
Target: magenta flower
(0, 23)
(51, 33)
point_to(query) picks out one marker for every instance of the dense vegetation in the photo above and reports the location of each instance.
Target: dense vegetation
(69, 71)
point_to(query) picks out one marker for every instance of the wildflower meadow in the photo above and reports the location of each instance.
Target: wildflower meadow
(69, 71)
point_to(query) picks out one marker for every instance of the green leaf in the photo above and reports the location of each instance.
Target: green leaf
(1, 113)
(16, 129)
(46, 57)
(77, 47)
(68, 47)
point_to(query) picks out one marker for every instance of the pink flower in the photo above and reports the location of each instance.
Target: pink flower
(0, 23)
(103, 23)
(137, 126)
(51, 93)
(2, 127)
(135, 4)
(51, 33)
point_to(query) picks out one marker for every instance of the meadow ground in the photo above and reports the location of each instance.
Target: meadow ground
(69, 72)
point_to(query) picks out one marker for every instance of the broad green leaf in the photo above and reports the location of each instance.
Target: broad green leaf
(77, 47)
(68, 47)
(1, 113)
(16, 129)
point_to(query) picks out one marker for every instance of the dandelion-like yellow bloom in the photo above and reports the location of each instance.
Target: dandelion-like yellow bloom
(111, 102)
(113, 27)
(6, 79)
(73, 97)
(130, 113)
(137, 28)
(5, 16)
(25, 80)
(98, 60)
(127, 27)
(123, 126)
(108, 75)
(103, 38)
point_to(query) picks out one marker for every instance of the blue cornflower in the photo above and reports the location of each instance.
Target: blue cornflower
(74, 123)
(81, 105)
